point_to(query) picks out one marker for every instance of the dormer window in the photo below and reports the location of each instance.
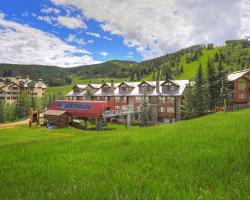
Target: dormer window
(145, 87)
(125, 88)
(31, 84)
(169, 86)
(105, 88)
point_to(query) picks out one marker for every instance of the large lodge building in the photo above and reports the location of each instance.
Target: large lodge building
(11, 88)
(164, 96)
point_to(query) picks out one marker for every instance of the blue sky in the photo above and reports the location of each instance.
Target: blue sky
(69, 33)
(102, 45)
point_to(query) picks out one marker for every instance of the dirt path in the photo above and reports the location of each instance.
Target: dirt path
(14, 124)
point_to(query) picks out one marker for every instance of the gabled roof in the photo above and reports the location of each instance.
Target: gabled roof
(128, 84)
(170, 81)
(80, 86)
(8, 85)
(149, 83)
(236, 75)
(96, 86)
(54, 112)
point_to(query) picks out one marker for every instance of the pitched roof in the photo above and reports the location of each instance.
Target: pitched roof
(136, 91)
(54, 112)
(81, 86)
(96, 86)
(170, 81)
(236, 75)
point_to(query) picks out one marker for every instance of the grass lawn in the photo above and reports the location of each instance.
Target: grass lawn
(206, 158)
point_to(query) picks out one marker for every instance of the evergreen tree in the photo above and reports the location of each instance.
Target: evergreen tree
(212, 85)
(33, 103)
(23, 105)
(145, 113)
(89, 93)
(2, 111)
(200, 93)
(187, 106)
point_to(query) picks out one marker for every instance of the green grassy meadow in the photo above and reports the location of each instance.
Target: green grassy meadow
(205, 158)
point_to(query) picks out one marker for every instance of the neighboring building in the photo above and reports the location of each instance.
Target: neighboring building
(165, 97)
(240, 85)
(11, 88)
(57, 118)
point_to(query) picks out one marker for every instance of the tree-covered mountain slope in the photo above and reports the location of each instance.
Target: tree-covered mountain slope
(183, 64)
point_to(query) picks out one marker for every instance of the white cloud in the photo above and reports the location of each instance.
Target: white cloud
(22, 44)
(104, 53)
(107, 38)
(47, 19)
(94, 34)
(2, 15)
(159, 27)
(50, 10)
(71, 22)
(90, 41)
(97, 35)
(68, 22)
(25, 14)
(245, 19)
(73, 38)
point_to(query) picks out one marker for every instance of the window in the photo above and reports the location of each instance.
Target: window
(242, 96)
(118, 107)
(138, 98)
(170, 99)
(242, 85)
(162, 109)
(162, 99)
(105, 89)
(170, 109)
(169, 88)
(117, 99)
(124, 89)
(14, 88)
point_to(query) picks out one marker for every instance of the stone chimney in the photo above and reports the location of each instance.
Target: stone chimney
(157, 85)
(112, 86)
(27, 77)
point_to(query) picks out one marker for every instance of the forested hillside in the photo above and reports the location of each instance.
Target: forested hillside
(183, 64)
(234, 55)
(57, 76)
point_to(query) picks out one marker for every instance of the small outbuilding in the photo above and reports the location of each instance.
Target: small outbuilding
(58, 118)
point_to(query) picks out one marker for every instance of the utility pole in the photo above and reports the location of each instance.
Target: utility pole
(224, 97)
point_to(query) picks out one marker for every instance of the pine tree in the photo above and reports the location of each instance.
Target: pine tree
(89, 93)
(200, 93)
(187, 106)
(33, 103)
(2, 111)
(23, 105)
(145, 113)
(212, 85)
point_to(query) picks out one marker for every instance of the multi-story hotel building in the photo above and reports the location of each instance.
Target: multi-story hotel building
(240, 87)
(164, 97)
(11, 88)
